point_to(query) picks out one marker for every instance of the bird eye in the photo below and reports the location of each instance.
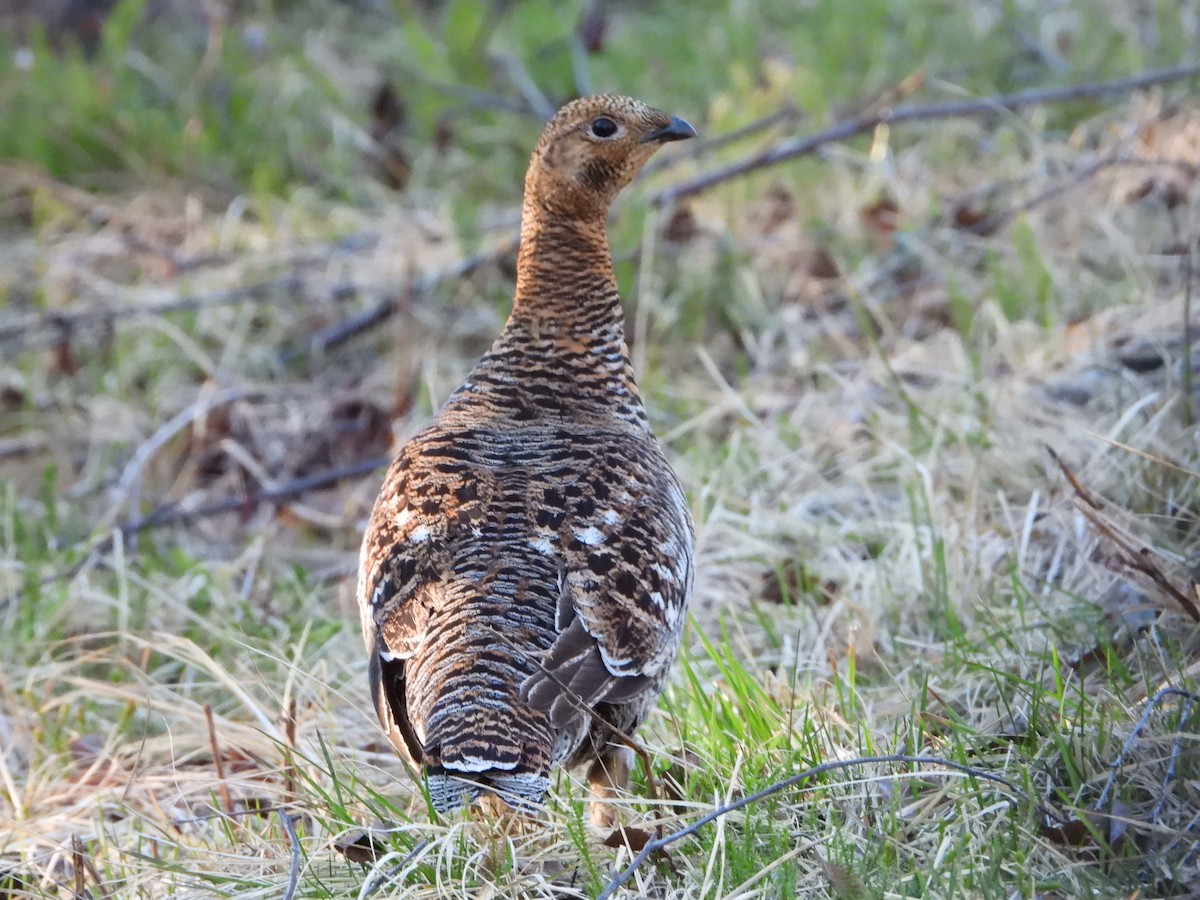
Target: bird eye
(604, 127)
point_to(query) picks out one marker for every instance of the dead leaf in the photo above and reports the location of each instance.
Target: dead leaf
(360, 847)
(593, 27)
(681, 227)
(635, 839)
(388, 117)
(793, 581)
(882, 218)
(846, 885)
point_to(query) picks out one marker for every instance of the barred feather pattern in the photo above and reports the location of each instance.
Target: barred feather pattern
(529, 557)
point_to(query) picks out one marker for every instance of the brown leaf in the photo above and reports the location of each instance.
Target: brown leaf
(389, 115)
(360, 847)
(882, 217)
(355, 428)
(12, 398)
(681, 227)
(974, 221)
(846, 885)
(443, 133)
(634, 838)
(1075, 833)
(388, 112)
(793, 581)
(593, 27)
(821, 264)
(63, 360)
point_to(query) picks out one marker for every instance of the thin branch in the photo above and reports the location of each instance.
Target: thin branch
(1133, 554)
(45, 329)
(174, 514)
(370, 888)
(654, 846)
(126, 487)
(294, 874)
(1077, 179)
(955, 109)
(1188, 413)
(1176, 747)
(1151, 706)
(338, 334)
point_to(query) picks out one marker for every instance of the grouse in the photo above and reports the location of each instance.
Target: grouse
(527, 566)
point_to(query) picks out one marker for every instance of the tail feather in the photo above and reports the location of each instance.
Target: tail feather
(524, 791)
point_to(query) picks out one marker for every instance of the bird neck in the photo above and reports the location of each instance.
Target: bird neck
(562, 354)
(565, 280)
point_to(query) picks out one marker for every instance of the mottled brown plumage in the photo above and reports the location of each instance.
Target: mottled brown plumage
(530, 552)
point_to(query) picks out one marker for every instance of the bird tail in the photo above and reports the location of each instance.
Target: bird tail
(482, 739)
(449, 790)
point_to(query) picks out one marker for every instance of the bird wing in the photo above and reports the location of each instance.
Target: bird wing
(430, 500)
(626, 549)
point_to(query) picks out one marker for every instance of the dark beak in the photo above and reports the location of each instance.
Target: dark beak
(675, 130)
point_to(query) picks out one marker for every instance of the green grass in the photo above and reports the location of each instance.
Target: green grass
(889, 561)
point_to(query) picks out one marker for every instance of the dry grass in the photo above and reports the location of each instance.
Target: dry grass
(890, 561)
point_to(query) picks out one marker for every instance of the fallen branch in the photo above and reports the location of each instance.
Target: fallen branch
(174, 514)
(955, 109)
(338, 334)
(1151, 706)
(294, 873)
(1131, 553)
(661, 843)
(45, 329)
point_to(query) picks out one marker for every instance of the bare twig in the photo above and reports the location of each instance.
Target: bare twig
(1186, 380)
(78, 867)
(294, 874)
(1078, 178)
(514, 69)
(335, 335)
(955, 109)
(126, 486)
(218, 763)
(174, 514)
(45, 329)
(368, 888)
(1151, 706)
(654, 846)
(1171, 766)
(1132, 554)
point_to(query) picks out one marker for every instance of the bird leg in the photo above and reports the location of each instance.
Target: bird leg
(608, 778)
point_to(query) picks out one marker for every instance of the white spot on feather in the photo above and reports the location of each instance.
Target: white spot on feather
(419, 535)
(591, 536)
(542, 545)
(402, 517)
(611, 517)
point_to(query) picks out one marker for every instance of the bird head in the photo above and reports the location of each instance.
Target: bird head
(592, 148)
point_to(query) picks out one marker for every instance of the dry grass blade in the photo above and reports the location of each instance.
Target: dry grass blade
(218, 762)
